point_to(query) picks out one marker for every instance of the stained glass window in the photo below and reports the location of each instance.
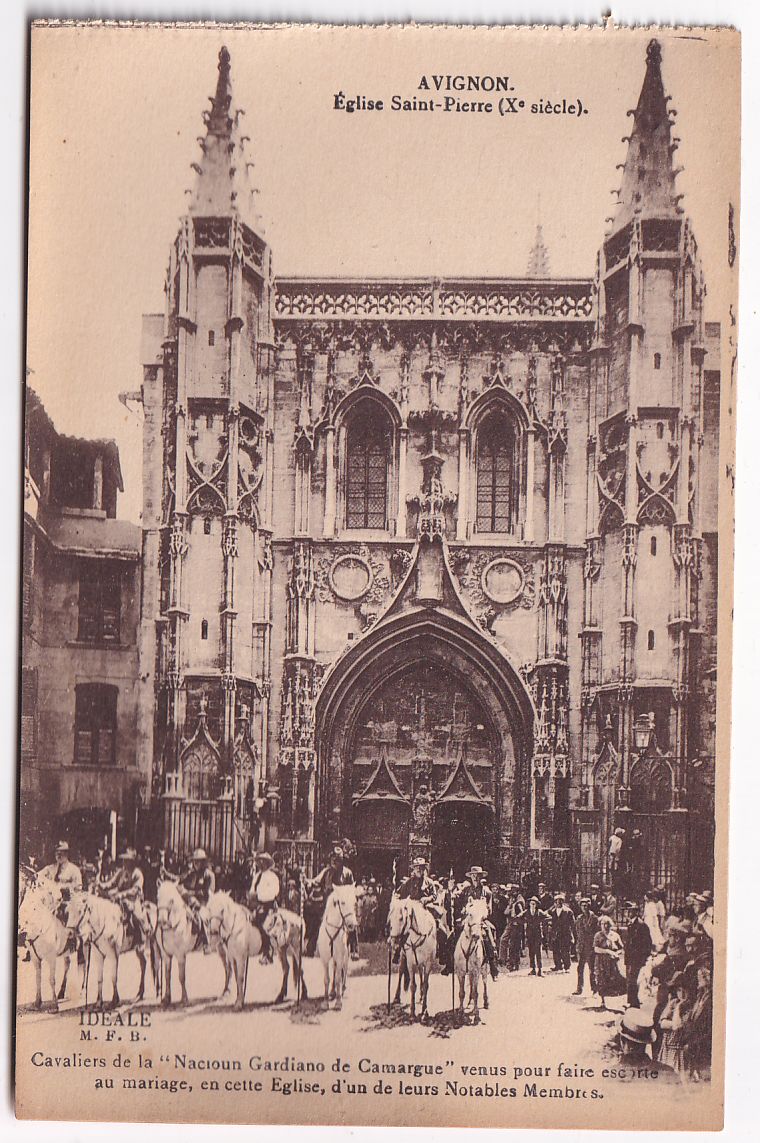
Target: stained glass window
(367, 472)
(495, 477)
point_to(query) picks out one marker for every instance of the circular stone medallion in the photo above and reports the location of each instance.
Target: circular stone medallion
(350, 577)
(502, 581)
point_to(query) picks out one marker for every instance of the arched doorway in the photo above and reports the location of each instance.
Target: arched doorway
(423, 733)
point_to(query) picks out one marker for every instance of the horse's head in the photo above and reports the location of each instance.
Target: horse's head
(342, 904)
(40, 898)
(216, 914)
(76, 913)
(276, 926)
(398, 918)
(475, 913)
(168, 900)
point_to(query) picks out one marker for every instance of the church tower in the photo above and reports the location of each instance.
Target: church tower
(208, 491)
(640, 633)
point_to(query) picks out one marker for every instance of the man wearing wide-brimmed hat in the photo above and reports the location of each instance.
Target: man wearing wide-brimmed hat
(420, 886)
(262, 896)
(126, 888)
(635, 1036)
(63, 872)
(475, 889)
(68, 877)
(331, 876)
(196, 886)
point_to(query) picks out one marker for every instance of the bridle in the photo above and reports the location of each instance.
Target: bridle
(34, 909)
(404, 937)
(223, 932)
(168, 909)
(342, 927)
(475, 930)
(87, 913)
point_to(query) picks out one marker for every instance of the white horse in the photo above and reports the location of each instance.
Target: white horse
(469, 955)
(46, 935)
(338, 921)
(285, 930)
(177, 936)
(232, 926)
(102, 927)
(413, 928)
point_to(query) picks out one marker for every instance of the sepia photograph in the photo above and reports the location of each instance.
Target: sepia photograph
(377, 574)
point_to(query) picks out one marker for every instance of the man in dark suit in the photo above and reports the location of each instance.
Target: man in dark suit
(561, 932)
(534, 921)
(638, 949)
(586, 926)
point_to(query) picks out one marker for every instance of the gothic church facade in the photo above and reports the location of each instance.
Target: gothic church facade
(432, 564)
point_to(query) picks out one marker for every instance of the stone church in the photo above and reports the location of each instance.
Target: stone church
(431, 564)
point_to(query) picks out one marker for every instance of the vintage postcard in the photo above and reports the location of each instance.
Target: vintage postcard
(377, 579)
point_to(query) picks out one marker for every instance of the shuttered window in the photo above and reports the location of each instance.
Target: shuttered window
(99, 602)
(95, 725)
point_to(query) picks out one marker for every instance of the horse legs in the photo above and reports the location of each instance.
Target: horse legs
(462, 978)
(143, 965)
(64, 982)
(413, 993)
(113, 958)
(182, 962)
(401, 965)
(282, 955)
(167, 997)
(101, 967)
(424, 985)
(474, 991)
(51, 975)
(340, 971)
(485, 989)
(239, 965)
(227, 969)
(37, 980)
(298, 971)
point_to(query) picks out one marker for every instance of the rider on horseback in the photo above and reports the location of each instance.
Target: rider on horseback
(262, 897)
(196, 886)
(67, 876)
(472, 890)
(334, 874)
(126, 887)
(420, 886)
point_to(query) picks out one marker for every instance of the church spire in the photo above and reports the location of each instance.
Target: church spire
(222, 186)
(648, 182)
(538, 262)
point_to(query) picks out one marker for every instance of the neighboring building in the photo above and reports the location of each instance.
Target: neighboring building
(432, 563)
(80, 620)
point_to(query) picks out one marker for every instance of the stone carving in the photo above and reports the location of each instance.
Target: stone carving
(507, 299)
(475, 570)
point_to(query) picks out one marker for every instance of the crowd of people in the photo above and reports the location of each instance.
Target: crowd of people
(660, 959)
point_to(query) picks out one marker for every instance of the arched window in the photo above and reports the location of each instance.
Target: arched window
(367, 461)
(495, 504)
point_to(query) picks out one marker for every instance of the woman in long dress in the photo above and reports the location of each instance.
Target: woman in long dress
(608, 952)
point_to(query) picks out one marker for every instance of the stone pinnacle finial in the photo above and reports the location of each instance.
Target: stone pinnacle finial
(222, 185)
(538, 262)
(648, 182)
